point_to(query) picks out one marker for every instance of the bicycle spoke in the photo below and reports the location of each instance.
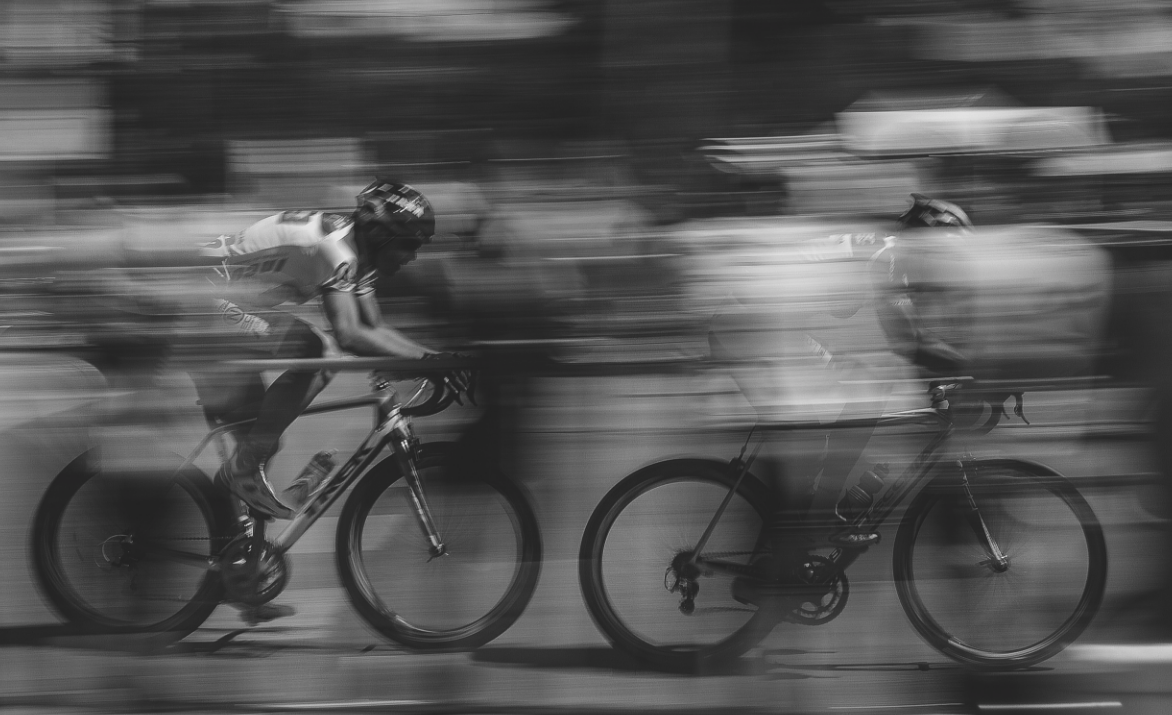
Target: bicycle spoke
(643, 541)
(462, 599)
(133, 564)
(439, 593)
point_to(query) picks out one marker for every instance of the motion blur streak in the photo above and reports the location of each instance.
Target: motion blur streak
(661, 225)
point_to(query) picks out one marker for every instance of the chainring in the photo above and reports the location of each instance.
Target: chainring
(819, 569)
(253, 578)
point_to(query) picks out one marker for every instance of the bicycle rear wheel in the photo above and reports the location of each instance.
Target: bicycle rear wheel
(461, 600)
(1000, 617)
(129, 552)
(628, 557)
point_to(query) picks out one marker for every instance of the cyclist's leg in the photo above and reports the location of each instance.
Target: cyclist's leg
(271, 334)
(228, 396)
(288, 396)
(844, 448)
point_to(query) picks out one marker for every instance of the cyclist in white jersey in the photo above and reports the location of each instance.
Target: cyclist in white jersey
(293, 257)
(810, 502)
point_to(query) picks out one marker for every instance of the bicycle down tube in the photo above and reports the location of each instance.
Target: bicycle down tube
(391, 428)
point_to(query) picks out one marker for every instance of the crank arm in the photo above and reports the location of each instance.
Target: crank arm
(203, 561)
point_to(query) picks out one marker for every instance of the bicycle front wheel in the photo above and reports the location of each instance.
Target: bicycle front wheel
(1007, 610)
(633, 556)
(130, 552)
(457, 601)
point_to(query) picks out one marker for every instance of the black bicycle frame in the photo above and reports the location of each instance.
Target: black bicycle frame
(911, 478)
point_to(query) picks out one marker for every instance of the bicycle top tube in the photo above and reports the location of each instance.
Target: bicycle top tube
(922, 415)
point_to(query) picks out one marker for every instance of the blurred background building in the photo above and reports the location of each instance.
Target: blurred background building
(185, 99)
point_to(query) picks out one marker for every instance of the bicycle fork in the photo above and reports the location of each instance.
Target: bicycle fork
(405, 454)
(997, 560)
(435, 544)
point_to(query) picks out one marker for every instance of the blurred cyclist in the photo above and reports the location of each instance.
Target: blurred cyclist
(894, 281)
(293, 257)
(895, 271)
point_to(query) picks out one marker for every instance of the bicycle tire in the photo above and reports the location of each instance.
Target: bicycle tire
(111, 588)
(706, 482)
(467, 607)
(1043, 525)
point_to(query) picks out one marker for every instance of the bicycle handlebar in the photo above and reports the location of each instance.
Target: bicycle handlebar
(441, 399)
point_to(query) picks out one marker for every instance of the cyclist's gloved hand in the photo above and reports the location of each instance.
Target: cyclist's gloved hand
(462, 381)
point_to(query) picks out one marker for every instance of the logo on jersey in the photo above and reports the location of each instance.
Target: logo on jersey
(343, 277)
(248, 324)
(367, 283)
(273, 265)
(295, 217)
(221, 242)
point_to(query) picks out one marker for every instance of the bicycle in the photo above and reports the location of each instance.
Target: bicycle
(433, 554)
(669, 560)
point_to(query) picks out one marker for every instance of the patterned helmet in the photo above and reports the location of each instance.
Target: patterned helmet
(388, 210)
(931, 213)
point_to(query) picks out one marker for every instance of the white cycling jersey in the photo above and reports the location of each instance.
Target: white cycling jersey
(290, 257)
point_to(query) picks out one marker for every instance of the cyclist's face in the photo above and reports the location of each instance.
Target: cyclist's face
(395, 254)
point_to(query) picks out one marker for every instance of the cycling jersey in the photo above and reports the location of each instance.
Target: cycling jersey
(288, 258)
(841, 247)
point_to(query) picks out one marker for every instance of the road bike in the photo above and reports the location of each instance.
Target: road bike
(998, 563)
(436, 551)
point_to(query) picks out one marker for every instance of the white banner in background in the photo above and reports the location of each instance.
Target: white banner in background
(972, 129)
(434, 20)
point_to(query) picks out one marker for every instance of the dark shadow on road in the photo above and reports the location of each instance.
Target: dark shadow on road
(231, 643)
(586, 657)
(65, 635)
(602, 658)
(869, 667)
(37, 635)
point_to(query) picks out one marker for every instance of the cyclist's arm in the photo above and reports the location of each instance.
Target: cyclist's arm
(359, 330)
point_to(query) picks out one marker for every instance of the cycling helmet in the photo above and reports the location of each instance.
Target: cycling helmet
(389, 211)
(931, 213)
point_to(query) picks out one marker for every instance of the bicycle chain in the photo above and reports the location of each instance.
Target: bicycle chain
(210, 539)
(726, 554)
